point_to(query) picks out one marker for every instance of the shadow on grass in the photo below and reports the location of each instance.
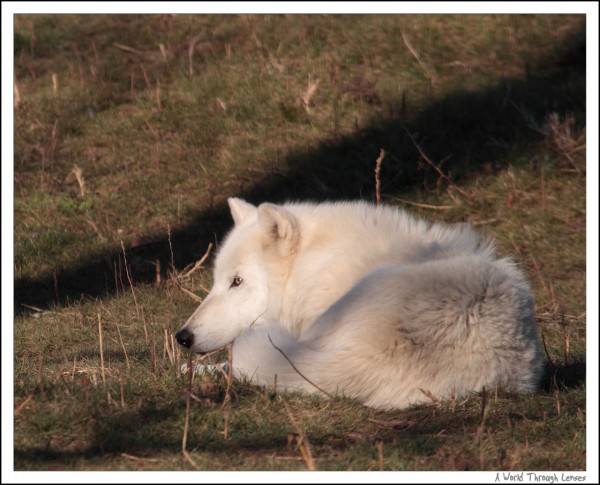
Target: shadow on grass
(153, 429)
(157, 428)
(472, 131)
(564, 376)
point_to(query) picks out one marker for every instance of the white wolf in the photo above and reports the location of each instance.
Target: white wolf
(367, 302)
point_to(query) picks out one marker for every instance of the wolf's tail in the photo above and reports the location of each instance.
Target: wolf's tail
(271, 356)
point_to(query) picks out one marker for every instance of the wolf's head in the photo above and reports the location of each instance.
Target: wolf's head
(250, 268)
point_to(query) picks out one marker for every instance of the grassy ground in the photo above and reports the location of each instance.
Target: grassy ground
(131, 131)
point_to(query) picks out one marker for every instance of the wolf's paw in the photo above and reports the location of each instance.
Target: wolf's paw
(210, 369)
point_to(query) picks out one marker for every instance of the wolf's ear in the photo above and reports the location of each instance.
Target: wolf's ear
(280, 228)
(241, 211)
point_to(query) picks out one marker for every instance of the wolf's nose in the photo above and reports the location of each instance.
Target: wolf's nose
(185, 338)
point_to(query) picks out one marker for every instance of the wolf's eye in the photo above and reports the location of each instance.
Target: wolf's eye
(236, 281)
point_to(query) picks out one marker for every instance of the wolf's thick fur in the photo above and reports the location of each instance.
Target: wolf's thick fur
(368, 302)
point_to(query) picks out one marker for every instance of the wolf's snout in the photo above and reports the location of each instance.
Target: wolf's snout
(185, 337)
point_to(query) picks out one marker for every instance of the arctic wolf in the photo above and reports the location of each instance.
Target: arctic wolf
(368, 302)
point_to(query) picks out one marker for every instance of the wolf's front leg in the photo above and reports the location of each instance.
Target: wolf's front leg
(222, 368)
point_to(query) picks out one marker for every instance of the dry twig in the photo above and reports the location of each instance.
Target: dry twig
(191, 49)
(131, 50)
(94, 226)
(198, 263)
(377, 170)
(137, 308)
(297, 371)
(23, 405)
(424, 206)
(187, 416)
(485, 222)
(429, 72)
(484, 413)
(301, 441)
(138, 458)
(16, 94)
(379, 445)
(227, 399)
(307, 95)
(80, 180)
(433, 399)
(101, 342)
(438, 169)
(189, 293)
(123, 346)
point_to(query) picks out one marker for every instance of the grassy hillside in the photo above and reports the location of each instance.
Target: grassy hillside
(130, 133)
